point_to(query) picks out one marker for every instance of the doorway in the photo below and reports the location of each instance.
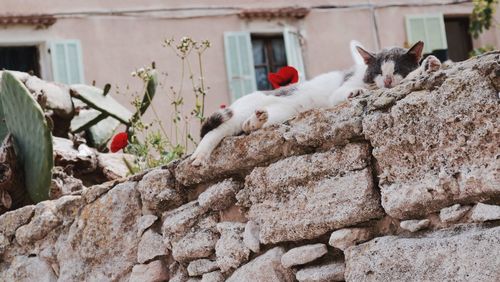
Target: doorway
(458, 37)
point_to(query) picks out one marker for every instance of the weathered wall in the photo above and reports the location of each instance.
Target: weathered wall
(108, 35)
(397, 185)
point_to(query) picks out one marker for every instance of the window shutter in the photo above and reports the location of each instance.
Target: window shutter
(428, 28)
(67, 65)
(239, 63)
(294, 52)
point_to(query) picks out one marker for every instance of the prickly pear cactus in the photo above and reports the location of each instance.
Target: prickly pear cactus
(3, 126)
(101, 132)
(106, 104)
(85, 119)
(148, 95)
(26, 122)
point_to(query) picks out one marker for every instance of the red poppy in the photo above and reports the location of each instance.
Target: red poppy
(222, 106)
(285, 76)
(119, 142)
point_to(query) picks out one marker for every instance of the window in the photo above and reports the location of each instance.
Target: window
(268, 56)
(428, 28)
(457, 35)
(250, 57)
(20, 58)
(67, 61)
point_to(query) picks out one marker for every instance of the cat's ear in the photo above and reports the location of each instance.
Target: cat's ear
(367, 56)
(416, 51)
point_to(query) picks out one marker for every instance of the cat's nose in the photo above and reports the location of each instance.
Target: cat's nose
(388, 82)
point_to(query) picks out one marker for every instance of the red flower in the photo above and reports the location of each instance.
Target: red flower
(222, 106)
(119, 142)
(285, 76)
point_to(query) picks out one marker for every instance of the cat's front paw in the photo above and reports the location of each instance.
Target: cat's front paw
(198, 158)
(255, 121)
(356, 93)
(431, 64)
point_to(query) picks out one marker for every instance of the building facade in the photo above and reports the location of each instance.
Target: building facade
(104, 41)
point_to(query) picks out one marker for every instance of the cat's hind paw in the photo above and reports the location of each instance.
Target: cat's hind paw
(431, 64)
(356, 93)
(255, 121)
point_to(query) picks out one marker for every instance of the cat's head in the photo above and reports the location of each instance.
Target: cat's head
(387, 68)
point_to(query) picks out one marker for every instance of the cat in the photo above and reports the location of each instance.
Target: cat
(260, 109)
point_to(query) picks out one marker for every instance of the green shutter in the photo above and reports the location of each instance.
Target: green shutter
(294, 51)
(428, 28)
(239, 64)
(67, 66)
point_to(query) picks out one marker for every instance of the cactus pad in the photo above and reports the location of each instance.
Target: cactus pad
(85, 119)
(148, 95)
(25, 120)
(103, 131)
(95, 99)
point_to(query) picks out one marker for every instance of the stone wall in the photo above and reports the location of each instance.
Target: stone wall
(396, 185)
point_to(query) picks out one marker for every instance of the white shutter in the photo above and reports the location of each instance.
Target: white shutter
(429, 28)
(294, 51)
(239, 63)
(67, 65)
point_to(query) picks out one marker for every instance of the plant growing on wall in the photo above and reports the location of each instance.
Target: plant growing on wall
(482, 16)
(151, 142)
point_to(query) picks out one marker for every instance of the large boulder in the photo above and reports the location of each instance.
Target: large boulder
(240, 154)
(306, 196)
(439, 144)
(102, 241)
(449, 255)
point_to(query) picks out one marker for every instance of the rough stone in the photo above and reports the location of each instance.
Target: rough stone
(145, 222)
(158, 191)
(453, 213)
(67, 207)
(438, 144)
(483, 212)
(4, 243)
(214, 276)
(332, 271)
(82, 160)
(91, 194)
(25, 268)
(195, 245)
(344, 238)
(450, 255)
(219, 196)
(230, 250)
(303, 254)
(177, 222)
(306, 196)
(150, 247)
(57, 95)
(113, 165)
(237, 154)
(266, 267)
(101, 244)
(155, 271)
(64, 184)
(178, 273)
(43, 221)
(201, 266)
(10, 221)
(415, 225)
(251, 236)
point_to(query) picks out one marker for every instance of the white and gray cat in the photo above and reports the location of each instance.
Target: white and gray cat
(385, 69)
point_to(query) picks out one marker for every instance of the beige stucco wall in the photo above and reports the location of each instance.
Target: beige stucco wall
(115, 45)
